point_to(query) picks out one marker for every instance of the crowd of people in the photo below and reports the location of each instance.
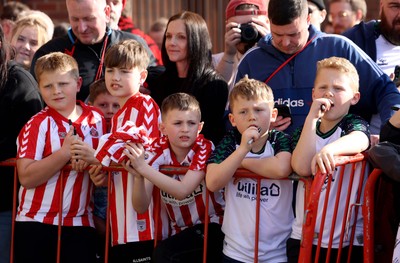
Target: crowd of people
(103, 93)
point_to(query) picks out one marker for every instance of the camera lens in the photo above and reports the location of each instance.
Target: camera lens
(248, 33)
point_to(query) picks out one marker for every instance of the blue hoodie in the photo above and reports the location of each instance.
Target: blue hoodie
(293, 84)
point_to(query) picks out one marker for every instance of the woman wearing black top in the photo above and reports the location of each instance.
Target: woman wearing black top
(186, 54)
(19, 101)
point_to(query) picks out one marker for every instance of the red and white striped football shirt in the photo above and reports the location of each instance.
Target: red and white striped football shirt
(191, 210)
(126, 224)
(41, 136)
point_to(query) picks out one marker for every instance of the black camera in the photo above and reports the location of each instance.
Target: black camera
(249, 34)
(396, 79)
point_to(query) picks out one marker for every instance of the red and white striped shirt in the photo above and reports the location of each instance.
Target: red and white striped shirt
(41, 136)
(126, 224)
(191, 210)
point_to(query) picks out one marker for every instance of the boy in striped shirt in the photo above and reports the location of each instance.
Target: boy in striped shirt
(44, 147)
(183, 195)
(132, 233)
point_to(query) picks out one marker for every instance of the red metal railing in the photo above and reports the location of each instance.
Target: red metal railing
(312, 196)
(358, 163)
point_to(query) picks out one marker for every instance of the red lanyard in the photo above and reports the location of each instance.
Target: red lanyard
(99, 73)
(288, 60)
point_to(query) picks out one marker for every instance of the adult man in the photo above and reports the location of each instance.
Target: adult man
(239, 13)
(380, 39)
(344, 14)
(317, 12)
(87, 40)
(287, 59)
(118, 20)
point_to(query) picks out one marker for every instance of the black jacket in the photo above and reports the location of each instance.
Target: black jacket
(19, 101)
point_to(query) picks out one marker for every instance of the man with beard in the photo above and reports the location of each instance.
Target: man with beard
(246, 23)
(380, 39)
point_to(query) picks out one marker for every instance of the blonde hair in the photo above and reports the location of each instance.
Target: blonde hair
(56, 61)
(342, 65)
(251, 89)
(31, 21)
(127, 54)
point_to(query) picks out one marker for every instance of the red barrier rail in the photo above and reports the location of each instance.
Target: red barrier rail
(168, 170)
(368, 210)
(358, 163)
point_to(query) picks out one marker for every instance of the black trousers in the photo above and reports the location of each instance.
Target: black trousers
(187, 246)
(37, 242)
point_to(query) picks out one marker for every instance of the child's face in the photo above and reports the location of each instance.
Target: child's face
(124, 83)
(181, 127)
(107, 103)
(59, 89)
(248, 113)
(336, 87)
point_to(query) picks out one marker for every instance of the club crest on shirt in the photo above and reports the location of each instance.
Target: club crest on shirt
(141, 225)
(62, 135)
(94, 132)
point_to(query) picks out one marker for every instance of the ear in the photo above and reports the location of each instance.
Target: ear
(200, 127)
(355, 99)
(359, 15)
(161, 126)
(274, 114)
(232, 119)
(143, 76)
(79, 83)
(323, 16)
(107, 11)
(312, 94)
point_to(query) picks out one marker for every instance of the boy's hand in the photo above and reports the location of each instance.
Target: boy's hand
(82, 151)
(249, 136)
(281, 124)
(68, 140)
(79, 165)
(325, 161)
(320, 106)
(98, 177)
(135, 152)
(129, 167)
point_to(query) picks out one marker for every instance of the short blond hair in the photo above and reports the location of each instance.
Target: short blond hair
(342, 65)
(56, 61)
(127, 54)
(251, 89)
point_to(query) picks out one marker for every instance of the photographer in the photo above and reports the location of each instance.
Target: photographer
(246, 23)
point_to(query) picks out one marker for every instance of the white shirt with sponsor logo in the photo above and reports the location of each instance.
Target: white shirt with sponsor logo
(191, 210)
(276, 213)
(347, 125)
(43, 135)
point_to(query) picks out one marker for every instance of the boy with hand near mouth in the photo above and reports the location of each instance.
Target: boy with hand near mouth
(329, 131)
(253, 146)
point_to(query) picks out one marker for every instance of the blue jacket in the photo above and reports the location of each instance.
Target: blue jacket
(365, 35)
(293, 84)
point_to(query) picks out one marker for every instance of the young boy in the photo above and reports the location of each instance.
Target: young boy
(329, 130)
(44, 148)
(183, 195)
(100, 98)
(253, 146)
(132, 233)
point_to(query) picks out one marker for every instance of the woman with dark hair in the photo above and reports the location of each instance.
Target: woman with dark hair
(186, 54)
(19, 100)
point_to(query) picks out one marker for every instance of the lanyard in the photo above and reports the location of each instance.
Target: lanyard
(288, 60)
